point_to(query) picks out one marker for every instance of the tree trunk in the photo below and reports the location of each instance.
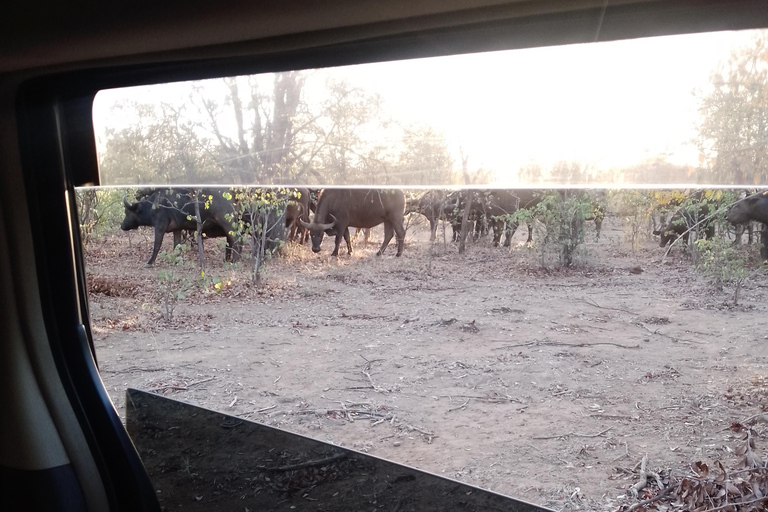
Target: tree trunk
(199, 233)
(468, 197)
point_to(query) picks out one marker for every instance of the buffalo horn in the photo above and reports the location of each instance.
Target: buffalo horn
(313, 226)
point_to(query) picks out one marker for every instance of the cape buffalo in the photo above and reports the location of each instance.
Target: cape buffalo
(297, 209)
(173, 209)
(498, 204)
(435, 205)
(683, 222)
(340, 209)
(752, 208)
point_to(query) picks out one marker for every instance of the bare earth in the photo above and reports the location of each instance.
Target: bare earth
(547, 385)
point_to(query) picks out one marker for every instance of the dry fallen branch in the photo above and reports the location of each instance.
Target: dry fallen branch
(462, 406)
(430, 435)
(131, 369)
(656, 331)
(593, 303)
(643, 481)
(625, 454)
(491, 399)
(561, 344)
(574, 434)
(177, 387)
(643, 503)
(365, 371)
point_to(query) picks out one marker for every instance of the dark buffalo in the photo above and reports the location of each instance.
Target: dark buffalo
(340, 209)
(489, 209)
(436, 205)
(497, 205)
(752, 208)
(172, 210)
(684, 221)
(297, 209)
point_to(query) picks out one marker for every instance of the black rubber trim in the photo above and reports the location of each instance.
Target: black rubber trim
(47, 490)
(46, 155)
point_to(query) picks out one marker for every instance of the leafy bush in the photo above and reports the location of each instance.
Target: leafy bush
(99, 212)
(172, 284)
(723, 263)
(260, 219)
(560, 226)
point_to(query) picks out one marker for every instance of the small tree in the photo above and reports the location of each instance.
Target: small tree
(172, 284)
(99, 212)
(560, 229)
(261, 220)
(723, 264)
(636, 209)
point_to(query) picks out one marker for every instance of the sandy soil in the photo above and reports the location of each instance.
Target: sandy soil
(547, 385)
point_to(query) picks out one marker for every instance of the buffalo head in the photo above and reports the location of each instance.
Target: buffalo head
(131, 220)
(665, 236)
(317, 230)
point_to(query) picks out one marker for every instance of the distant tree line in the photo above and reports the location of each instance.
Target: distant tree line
(262, 129)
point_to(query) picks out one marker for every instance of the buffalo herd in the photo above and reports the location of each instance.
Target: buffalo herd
(171, 210)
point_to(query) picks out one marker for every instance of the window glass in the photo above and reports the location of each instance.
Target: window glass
(579, 280)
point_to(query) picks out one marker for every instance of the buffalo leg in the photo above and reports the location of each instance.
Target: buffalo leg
(176, 238)
(159, 234)
(764, 242)
(232, 251)
(346, 239)
(498, 227)
(456, 228)
(388, 234)
(337, 241)
(432, 229)
(508, 232)
(512, 228)
(400, 232)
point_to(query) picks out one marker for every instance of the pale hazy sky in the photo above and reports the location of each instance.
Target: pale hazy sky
(607, 104)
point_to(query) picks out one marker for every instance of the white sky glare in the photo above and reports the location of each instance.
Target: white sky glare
(607, 104)
(611, 104)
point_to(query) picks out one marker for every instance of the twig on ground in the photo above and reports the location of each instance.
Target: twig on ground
(266, 408)
(625, 454)
(656, 331)
(735, 505)
(643, 503)
(462, 406)
(181, 388)
(611, 416)
(561, 344)
(574, 434)
(430, 435)
(643, 477)
(364, 371)
(593, 303)
(492, 399)
(136, 369)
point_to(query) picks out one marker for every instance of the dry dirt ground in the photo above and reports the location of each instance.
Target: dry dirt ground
(547, 385)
